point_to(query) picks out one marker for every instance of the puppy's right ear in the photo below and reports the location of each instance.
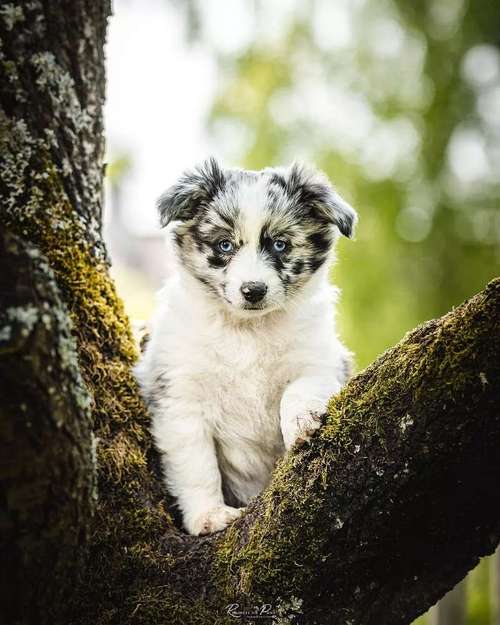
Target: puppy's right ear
(195, 189)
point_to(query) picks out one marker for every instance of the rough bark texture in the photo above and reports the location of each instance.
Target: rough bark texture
(47, 469)
(394, 500)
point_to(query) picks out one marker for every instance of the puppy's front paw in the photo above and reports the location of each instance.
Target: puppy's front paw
(300, 429)
(213, 520)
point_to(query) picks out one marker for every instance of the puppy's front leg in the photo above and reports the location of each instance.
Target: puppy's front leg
(302, 404)
(191, 469)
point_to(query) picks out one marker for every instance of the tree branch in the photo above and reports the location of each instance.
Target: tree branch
(397, 497)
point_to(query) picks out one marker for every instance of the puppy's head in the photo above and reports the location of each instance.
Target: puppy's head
(253, 239)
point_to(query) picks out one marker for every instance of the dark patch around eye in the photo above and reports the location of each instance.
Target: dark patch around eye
(266, 245)
(278, 262)
(217, 261)
(266, 240)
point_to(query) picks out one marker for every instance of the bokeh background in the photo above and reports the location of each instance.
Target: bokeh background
(397, 101)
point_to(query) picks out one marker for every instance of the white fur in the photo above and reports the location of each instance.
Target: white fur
(241, 386)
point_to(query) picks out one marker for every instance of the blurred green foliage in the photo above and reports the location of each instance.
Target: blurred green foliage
(478, 594)
(395, 101)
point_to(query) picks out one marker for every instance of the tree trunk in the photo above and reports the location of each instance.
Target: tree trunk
(388, 507)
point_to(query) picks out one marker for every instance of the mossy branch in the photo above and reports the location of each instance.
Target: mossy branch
(397, 497)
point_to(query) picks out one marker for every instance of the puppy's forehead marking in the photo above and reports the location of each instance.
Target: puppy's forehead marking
(253, 202)
(262, 206)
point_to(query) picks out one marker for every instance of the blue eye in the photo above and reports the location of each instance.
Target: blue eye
(226, 246)
(279, 245)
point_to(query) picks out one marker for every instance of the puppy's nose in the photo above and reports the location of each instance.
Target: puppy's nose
(253, 291)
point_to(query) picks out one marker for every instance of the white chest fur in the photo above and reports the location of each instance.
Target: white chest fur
(224, 393)
(231, 374)
(247, 383)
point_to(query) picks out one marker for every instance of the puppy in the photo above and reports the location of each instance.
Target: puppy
(243, 354)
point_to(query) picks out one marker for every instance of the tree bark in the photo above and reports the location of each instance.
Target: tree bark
(47, 467)
(393, 501)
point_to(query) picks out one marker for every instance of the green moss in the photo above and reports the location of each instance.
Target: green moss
(160, 605)
(278, 552)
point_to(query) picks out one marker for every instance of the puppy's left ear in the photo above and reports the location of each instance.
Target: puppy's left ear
(313, 189)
